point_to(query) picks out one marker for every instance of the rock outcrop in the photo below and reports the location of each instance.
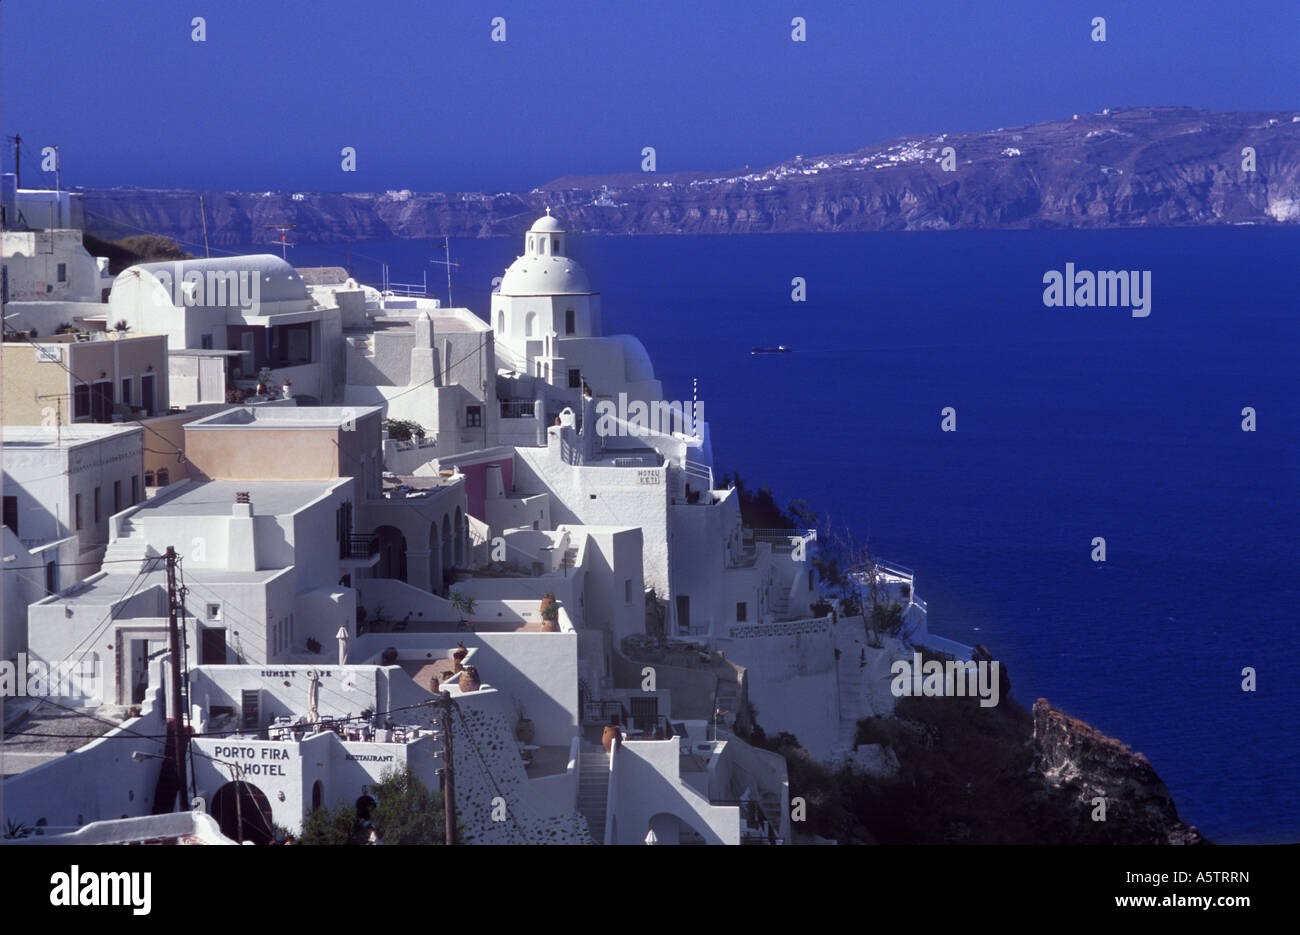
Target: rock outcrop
(1085, 768)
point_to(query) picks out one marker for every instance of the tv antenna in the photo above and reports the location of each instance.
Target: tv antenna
(446, 245)
(283, 229)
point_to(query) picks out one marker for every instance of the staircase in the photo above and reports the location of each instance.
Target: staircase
(850, 704)
(129, 546)
(593, 788)
(727, 697)
(362, 345)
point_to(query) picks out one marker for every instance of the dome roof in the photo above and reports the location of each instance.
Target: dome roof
(280, 282)
(547, 225)
(545, 275)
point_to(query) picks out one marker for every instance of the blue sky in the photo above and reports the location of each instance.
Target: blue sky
(430, 103)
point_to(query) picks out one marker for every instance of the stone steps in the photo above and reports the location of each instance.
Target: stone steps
(593, 789)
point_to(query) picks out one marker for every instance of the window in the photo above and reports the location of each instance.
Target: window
(76, 510)
(249, 704)
(101, 401)
(163, 478)
(575, 379)
(135, 489)
(117, 496)
(63, 272)
(125, 398)
(214, 611)
(11, 513)
(81, 401)
(205, 342)
(683, 613)
(742, 612)
(473, 417)
(96, 504)
(343, 528)
(568, 321)
(146, 393)
(51, 577)
(148, 479)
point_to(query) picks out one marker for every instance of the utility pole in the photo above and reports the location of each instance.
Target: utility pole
(175, 723)
(58, 182)
(203, 213)
(18, 162)
(449, 782)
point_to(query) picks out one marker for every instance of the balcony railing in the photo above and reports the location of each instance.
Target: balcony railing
(359, 545)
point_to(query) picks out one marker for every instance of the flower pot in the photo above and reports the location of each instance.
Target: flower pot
(469, 680)
(550, 625)
(611, 733)
(458, 657)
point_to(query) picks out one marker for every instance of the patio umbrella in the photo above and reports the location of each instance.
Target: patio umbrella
(342, 637)
(313, 696)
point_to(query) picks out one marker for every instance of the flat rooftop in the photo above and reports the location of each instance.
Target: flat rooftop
(217, 498)
(283, 417)
(64, 436)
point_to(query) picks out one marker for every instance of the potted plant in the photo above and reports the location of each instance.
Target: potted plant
(458, 657)
(469, 680)
(551, 618)
(464, 606)
(611, 733)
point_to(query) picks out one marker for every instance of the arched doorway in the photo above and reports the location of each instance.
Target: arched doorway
(671, 829)
(392, 553)
(317, 794)
(243, 800)
(460, 538)
(448, 555)
(435, 560)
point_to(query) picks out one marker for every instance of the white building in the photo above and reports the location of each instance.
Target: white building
(429, 365)
(257, 305)
(546, 319)
(69, 480)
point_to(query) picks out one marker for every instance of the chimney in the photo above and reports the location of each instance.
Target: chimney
(496, 488)
(241, 538)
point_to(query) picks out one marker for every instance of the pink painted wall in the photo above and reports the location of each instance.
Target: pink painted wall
(476, 484)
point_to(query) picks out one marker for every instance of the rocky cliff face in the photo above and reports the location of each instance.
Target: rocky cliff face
(1150, 166)
(1081, 765)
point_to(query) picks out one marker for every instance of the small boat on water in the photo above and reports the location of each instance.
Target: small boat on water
(779, 349)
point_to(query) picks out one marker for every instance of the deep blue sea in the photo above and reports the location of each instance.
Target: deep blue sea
(1072, 423)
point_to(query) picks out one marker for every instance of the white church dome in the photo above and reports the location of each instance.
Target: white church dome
(546, 224)
(545, 275)
(544, 269)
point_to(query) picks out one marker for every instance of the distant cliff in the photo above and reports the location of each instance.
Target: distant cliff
(1140, 167)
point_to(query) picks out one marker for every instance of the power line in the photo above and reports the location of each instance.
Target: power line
(233, 731)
